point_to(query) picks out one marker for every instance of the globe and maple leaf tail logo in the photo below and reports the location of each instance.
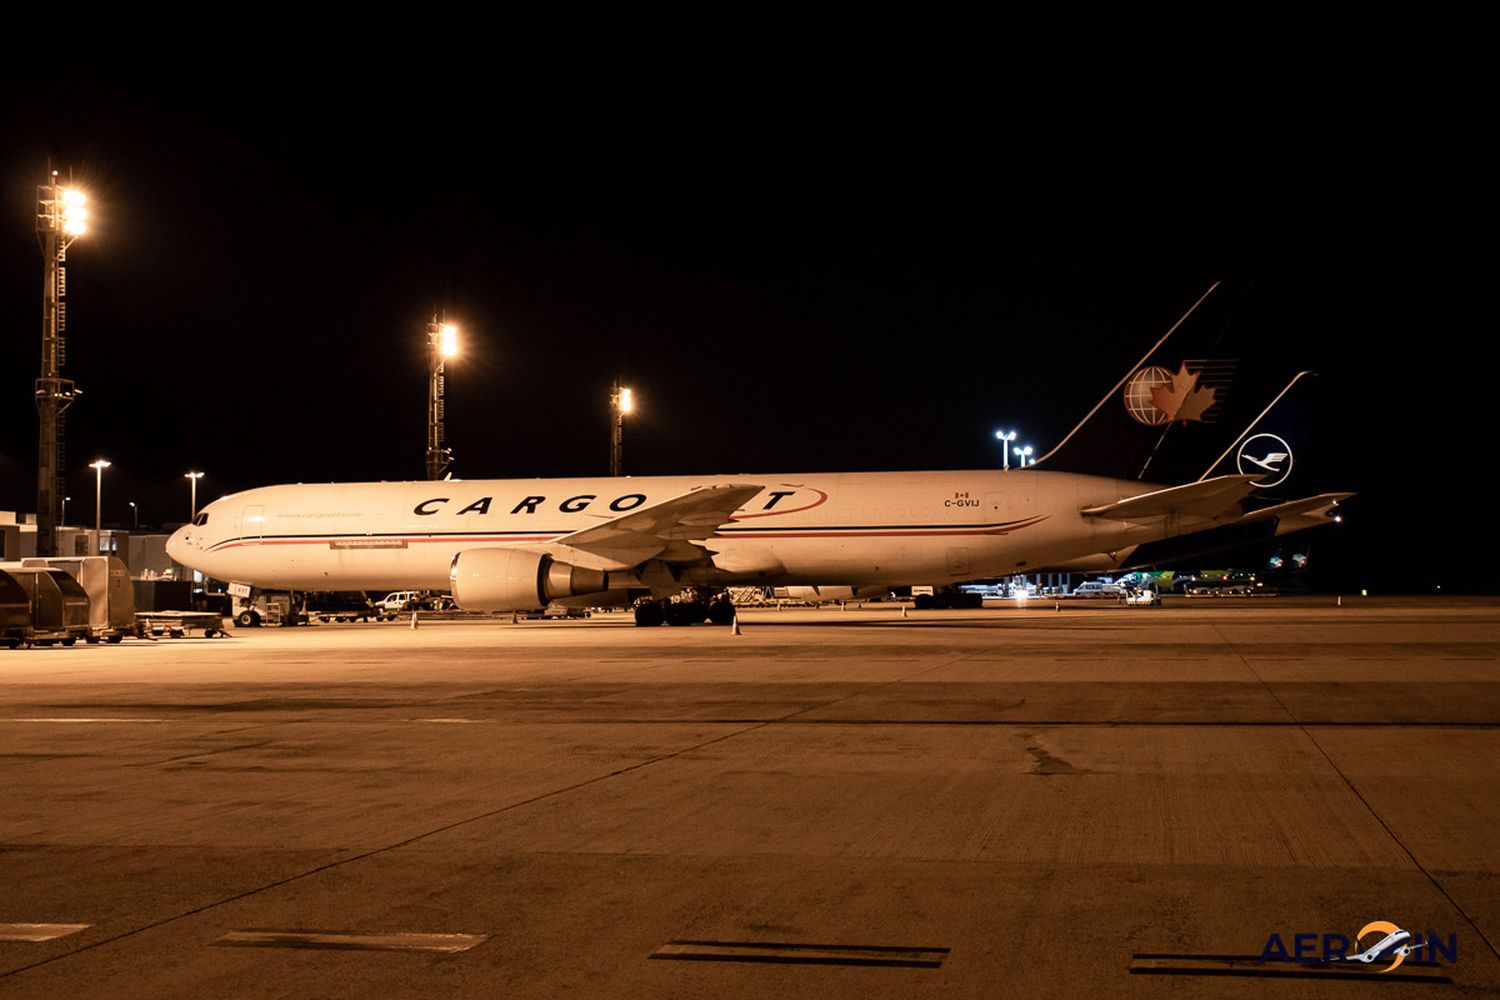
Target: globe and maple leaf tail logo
(1157, 396)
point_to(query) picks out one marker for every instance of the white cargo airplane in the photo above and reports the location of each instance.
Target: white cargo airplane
(513, 545)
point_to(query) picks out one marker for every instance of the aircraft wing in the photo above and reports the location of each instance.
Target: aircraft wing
(665, 530)
(1210, 498)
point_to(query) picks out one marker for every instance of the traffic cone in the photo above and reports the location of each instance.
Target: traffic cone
(734, 628)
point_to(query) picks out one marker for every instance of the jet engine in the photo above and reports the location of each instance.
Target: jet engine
(517, 580)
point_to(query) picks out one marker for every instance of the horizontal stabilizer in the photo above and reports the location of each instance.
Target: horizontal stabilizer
(666, 530)
(1297, 514)
(1211, 498)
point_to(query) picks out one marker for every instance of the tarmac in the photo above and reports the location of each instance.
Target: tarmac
(1096, 801)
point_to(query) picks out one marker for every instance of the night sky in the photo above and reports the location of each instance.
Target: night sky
(820, 242)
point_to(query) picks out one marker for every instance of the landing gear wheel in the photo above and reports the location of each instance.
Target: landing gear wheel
(70, 640)
(721, 612)
(247, 619)
(649, 615)
(92, 640)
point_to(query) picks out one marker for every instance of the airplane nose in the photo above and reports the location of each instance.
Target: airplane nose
(176, 544)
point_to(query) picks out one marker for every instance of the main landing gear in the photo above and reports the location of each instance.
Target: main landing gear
(718, 611)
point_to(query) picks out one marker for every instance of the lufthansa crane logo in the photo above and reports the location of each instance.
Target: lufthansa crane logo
(1267, 456)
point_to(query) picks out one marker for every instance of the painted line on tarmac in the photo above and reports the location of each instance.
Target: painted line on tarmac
(1251, 967)
(39, 932)
(447, 944)
(801, 954)
(82, 720)
(451, 722)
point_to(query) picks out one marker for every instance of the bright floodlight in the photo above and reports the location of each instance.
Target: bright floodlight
(627, 401)
(448, 340)
(75, 215)
(99, 464)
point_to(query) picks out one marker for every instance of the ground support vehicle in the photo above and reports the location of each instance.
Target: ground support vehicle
(177, 624)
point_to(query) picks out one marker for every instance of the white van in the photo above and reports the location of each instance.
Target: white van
(1097, 588)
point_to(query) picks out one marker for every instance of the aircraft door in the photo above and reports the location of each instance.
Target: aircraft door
(251, 524)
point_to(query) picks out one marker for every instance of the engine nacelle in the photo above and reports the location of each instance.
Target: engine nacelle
(517, 580)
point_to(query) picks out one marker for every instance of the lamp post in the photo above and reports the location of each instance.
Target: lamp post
(135, 516)
(621, 402)
(99, 465)
(442, 343)
(1005, 438)
(64, 519)
(61, 217)
(193, 478)
(1025, 455)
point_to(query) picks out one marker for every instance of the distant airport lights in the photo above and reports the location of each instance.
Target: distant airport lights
(1022, 452)
(98, 465)
(193, 478)
(621, 402)
(1005, 438)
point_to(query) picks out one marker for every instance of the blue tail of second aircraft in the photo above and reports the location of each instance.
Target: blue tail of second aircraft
(1178, 411)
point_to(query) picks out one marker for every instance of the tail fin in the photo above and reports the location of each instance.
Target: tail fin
(1276, 442)
(1176, 408)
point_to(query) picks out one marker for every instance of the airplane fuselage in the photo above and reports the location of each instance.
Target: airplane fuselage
(842, 528)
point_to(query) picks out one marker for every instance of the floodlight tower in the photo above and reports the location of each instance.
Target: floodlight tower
(193, 477)
(61, 217)
(442, 343)
(621, 401)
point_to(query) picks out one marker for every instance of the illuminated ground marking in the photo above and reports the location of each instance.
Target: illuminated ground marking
(447, 944)
(39, 932)
(801, 954)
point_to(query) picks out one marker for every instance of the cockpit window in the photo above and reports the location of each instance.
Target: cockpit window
(201, 519)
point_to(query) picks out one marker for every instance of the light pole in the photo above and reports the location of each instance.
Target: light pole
(442, 343)
(193, 478)
(1005, 438)
(64, 519)
(61, 217)
(1025, 455)
(99, 465)
(621, 402)
(135, 516)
